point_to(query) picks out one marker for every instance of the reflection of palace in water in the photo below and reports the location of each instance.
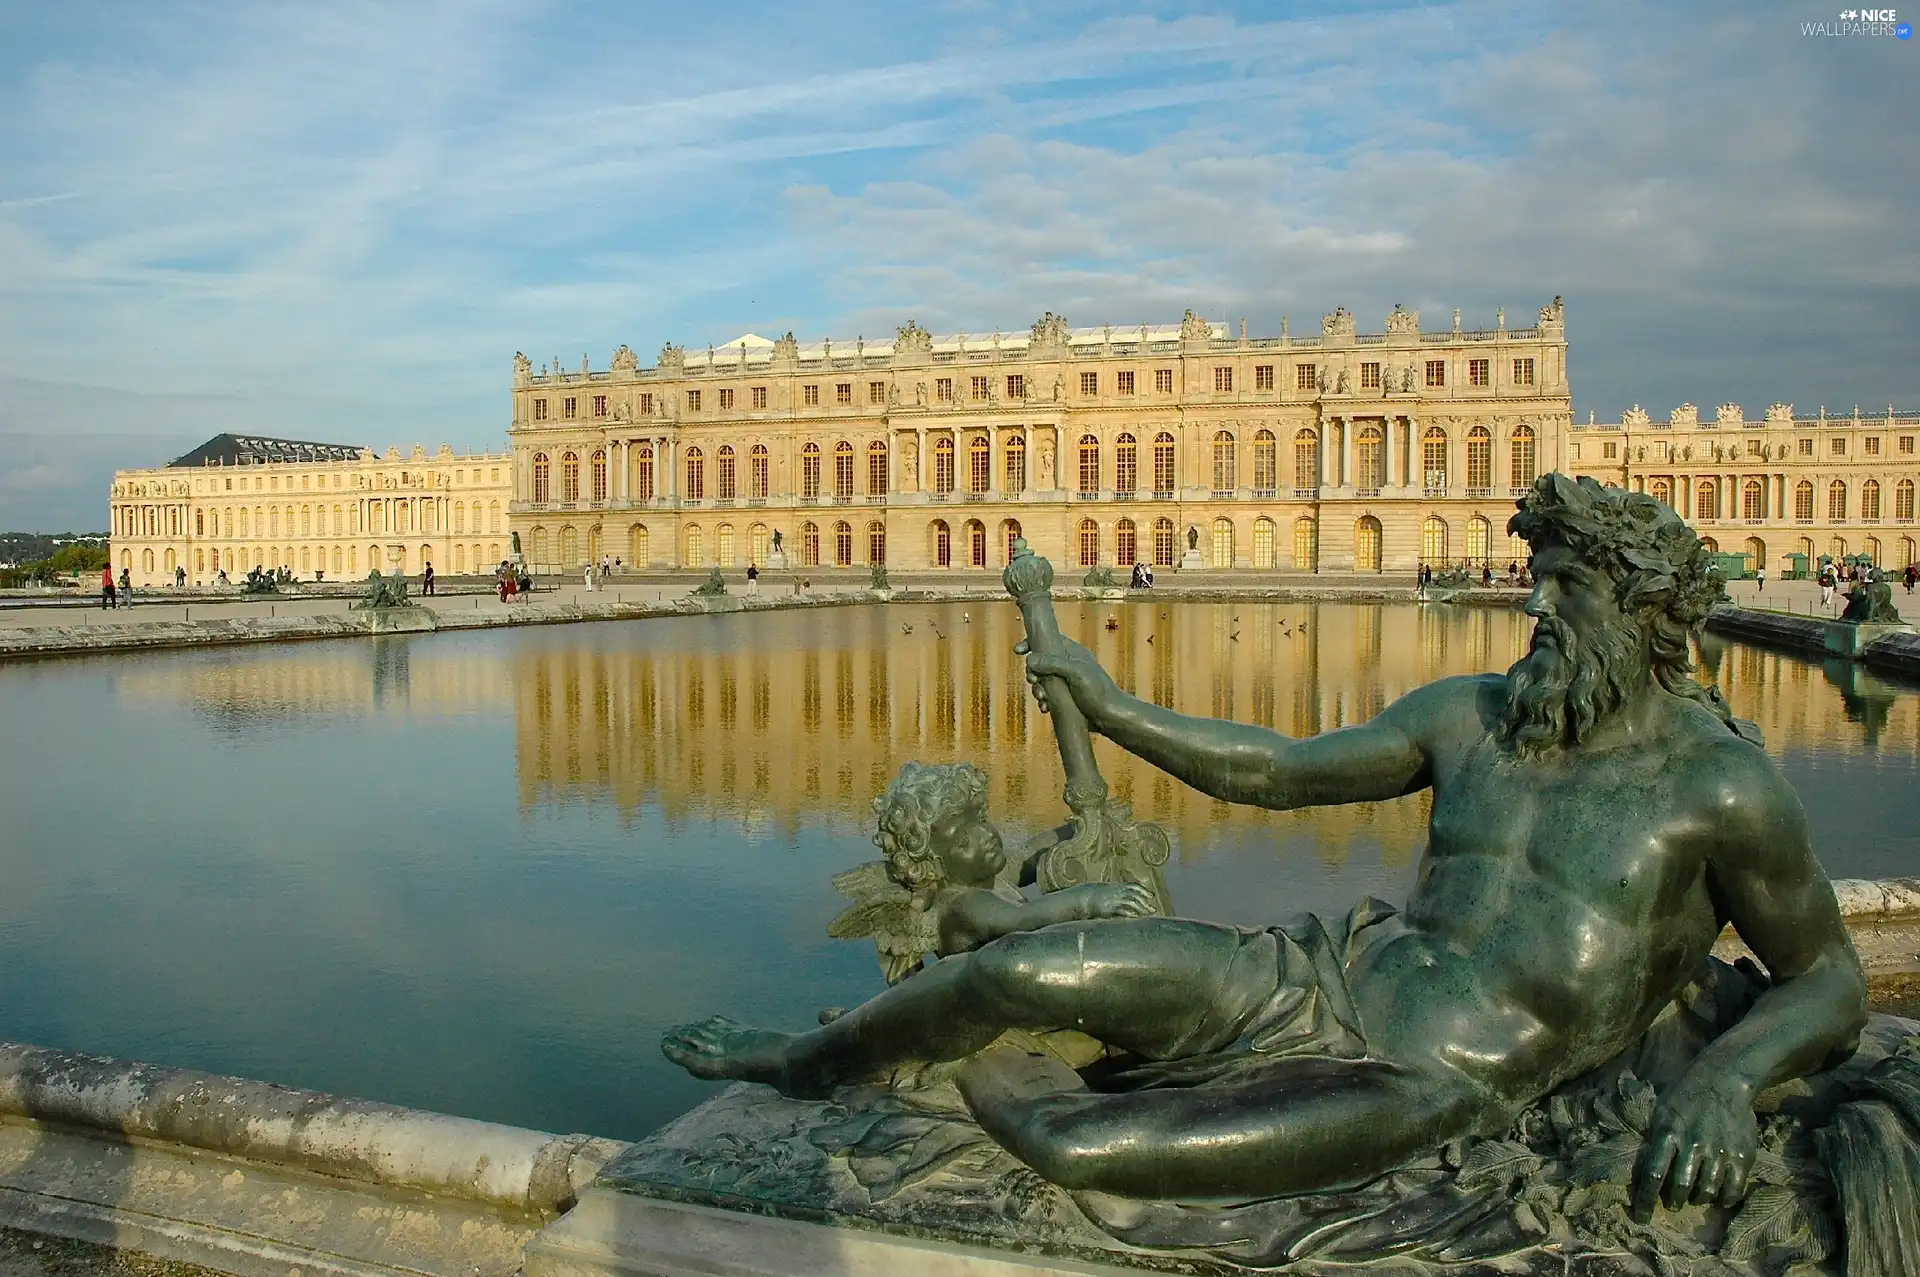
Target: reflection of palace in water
(807, 726)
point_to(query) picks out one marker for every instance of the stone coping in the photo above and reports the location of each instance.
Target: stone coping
(362, 1141)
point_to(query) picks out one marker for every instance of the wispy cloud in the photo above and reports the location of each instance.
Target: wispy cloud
(341, 220)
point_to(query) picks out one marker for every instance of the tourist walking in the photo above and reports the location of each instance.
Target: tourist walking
(1911, 575)
(107, 599)
(126, 587)
(753, 578)
(589, 578)
(426, 579)
(1828, 579)
(1759, 581)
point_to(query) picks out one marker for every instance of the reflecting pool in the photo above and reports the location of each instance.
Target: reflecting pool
(481, 872)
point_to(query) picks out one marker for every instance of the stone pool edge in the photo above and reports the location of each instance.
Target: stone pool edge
(259, 1180)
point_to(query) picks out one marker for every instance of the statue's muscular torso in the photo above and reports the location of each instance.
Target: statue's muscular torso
(1561, 903)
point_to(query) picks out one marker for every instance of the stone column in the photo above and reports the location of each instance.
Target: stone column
(920, 460)
(1026, 458)
(1346, 451)
(1389, 452)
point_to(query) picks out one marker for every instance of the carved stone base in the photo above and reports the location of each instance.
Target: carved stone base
(1193, 561)
(1844, 638)
(776, 560)
(400, 620)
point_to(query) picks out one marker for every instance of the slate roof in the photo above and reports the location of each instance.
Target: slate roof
(253, 450)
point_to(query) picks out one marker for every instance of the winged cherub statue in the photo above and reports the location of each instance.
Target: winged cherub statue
(944, 886)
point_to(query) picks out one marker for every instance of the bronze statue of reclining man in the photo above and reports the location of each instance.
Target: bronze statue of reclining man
(1597, 818)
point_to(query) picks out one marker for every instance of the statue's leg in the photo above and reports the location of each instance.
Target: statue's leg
(1150, 985)
(1301, 1125)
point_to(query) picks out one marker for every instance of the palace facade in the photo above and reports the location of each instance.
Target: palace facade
(239, 502)
(1772, 487)
(1339, 450)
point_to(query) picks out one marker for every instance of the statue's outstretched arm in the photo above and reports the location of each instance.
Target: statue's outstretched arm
(1764, 880)
(1380, 759)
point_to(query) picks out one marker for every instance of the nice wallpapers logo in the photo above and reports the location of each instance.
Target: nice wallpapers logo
(1862, 22)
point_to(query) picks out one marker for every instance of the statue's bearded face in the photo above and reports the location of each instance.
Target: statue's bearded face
(1587, 657)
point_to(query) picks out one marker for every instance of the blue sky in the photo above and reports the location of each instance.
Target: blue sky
(339, 221)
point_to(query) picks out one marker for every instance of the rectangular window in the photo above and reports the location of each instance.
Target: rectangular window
(876, 392)
(726, 400)
(1755, 448)
(539, 410)
(1163, 380)
(977, 388)
(1306, 377)
(646, 405)
(810, 395)
(943, 390)
(1263, 376)
(843, 392)
(1123, 383)
(1610, 450)
(1838, 447)
(1806, 447)
(1436, 372)
(759, 396)
(1089, 383)
(1222, 379)
(570, 408)
(599, 405)
(1906, 445)
(1016, 386)
(693, 401)
(1872, 444)
(1478, 372)
(1523, 372)
(1370, 377)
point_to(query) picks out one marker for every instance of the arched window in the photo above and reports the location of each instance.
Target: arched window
(569, 547)
(810, 472)
(1225, 477)
(843, 543)
(810, 545)
(1126, 546)
(1871, 549)
(1706, 500)
(1663, 492)
(694, 558)
(976, 543)
(1753, 502)
(1089, 544)
(570, 477)
(759, 541)
(1433, 461)
(542, 483)
(1089, 465)
(1870, 499)
(1370, 459)
(636, 546)
(1223, 543)
(1903, 501)
(1163, 542)
(842, 470)
(1306, 544)
(1477, 530)
(1479, 461)
(1836, 500)
(942, 544)
(1015, 465)
(1837, 547)
(459, 559)
(877, 468)
(146, 561)
(757, 472)
(1525, 457)
(1306, 461)
(1366, 544)
(1163, 475)
(598, 473)
(1126, 464)
(1009, 533)
(979, 464)
(1908, 551)
(1433, 540)
(696, 475)
(723, 545)
(459, 516)
(1266, 462)
(1803, 501)
(493, 516)
(1263, 543)
(642, 476)
(943, 466)
(306, 520)
(724, 489)
(877, 543)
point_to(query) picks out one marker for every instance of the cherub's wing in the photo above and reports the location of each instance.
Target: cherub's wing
(883, 910)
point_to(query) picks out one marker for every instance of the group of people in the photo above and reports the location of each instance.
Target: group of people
(512, 581)
(115, 594)
(1142, 578)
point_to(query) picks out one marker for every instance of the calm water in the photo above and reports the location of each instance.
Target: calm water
(481, 873)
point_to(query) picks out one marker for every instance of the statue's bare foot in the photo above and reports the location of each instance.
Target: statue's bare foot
(723, 1048)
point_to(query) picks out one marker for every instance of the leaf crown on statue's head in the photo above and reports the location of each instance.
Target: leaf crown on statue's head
(920, 797)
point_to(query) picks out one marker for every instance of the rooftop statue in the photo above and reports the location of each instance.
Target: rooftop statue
(1538, 1050)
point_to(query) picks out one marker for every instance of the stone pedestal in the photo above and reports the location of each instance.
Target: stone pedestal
(1849, 640)
(776, 560)
(399, 620)
(1193, 561)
